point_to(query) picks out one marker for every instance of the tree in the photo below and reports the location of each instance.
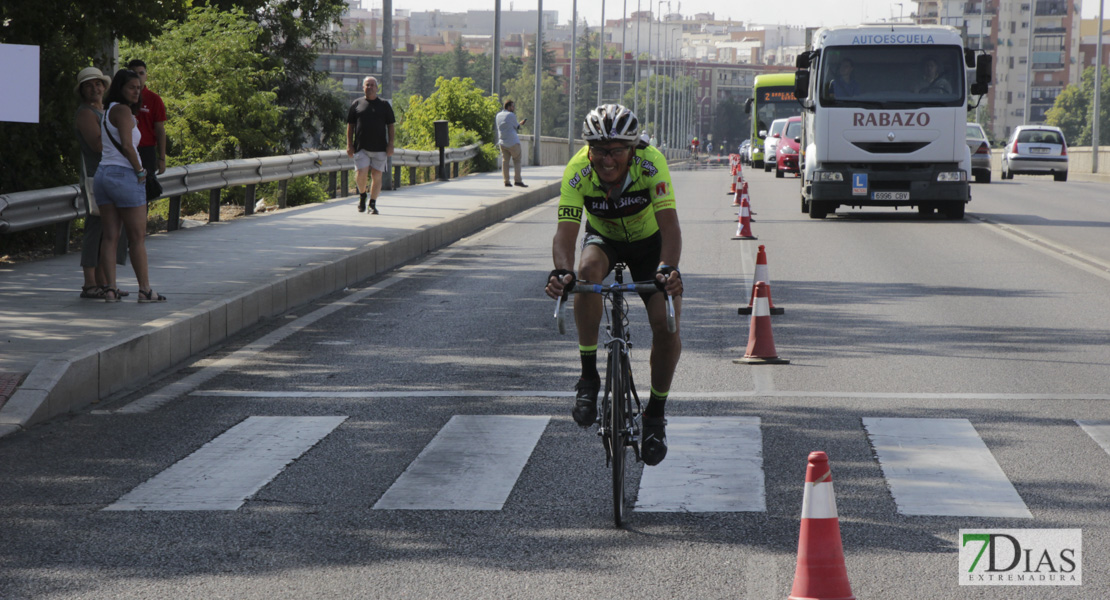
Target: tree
(1072, 109)
(294, 32)
(71, 35)
(460, 60)
(459, 102)
(552, 107)
(419, 80)
(585, 91)
(218, 87)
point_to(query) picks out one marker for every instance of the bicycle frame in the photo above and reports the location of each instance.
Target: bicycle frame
(620, 418)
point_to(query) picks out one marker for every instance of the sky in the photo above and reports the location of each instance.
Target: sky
(809, 13)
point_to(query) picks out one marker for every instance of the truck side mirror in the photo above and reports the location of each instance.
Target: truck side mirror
(802, 61)
(983, 73)
(801, 84)
(969, 58)
(748, 106)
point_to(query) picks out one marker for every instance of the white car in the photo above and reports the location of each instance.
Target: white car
(770, 145)
(1036, 150)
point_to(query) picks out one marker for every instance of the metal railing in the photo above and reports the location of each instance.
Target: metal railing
(60, 205)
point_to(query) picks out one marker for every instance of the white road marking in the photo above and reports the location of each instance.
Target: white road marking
(225, 393)
(1099, 432)
(471, 464)
(226, 471)
(714, 464)
(942, 467)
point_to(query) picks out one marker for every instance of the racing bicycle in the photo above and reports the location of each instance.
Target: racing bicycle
(620, 411)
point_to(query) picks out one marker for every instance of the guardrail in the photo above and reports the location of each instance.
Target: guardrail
(61, 205)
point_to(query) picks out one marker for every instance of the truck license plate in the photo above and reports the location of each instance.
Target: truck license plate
(890, 196)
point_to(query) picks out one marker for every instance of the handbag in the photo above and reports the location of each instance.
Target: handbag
(153, 188)
(91, 208)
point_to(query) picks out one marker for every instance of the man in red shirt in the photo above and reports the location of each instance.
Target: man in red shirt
(152, 125)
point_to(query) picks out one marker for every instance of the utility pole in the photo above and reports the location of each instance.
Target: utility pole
(539, 78)
(601, 56)
(1029, 67)
(1097, 92)
(573, 76)
(624, 48)
(495, 87)
(636, 66)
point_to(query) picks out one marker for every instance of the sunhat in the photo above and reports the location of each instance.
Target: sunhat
(90, 73)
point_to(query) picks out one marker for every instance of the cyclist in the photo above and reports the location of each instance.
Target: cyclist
(625, 189)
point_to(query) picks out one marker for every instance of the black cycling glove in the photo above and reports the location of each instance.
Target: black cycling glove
(558, 274)
(665, 271)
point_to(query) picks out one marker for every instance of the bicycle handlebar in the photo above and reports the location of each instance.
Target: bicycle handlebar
(640, 287)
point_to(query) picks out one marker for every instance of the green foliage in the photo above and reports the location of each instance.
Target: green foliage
(1073, 108)
(217, 87)
(70, 35)
(419, 80)
(456, 100)
(552, 108)
(305, 190)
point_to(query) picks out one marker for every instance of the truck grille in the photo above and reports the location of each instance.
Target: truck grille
(890, 147)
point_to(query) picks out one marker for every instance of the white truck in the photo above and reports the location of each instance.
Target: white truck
(885, 113)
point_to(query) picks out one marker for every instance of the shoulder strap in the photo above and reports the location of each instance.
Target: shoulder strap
(109, 132)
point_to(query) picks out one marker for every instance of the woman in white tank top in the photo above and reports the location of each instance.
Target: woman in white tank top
(120, 183)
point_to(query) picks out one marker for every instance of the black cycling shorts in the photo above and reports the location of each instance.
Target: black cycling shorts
(641, 257)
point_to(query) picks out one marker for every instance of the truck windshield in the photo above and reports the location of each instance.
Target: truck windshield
(891, 76)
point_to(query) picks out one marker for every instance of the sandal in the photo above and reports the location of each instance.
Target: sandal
(94, 292)
(150, 296)
(123, 294)
(114, 297)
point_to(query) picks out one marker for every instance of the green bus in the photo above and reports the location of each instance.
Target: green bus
(772, 98)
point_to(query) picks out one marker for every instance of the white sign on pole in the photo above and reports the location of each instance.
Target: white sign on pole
(19, 97)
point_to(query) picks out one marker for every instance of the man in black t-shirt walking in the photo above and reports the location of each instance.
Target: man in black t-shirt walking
(370, 141)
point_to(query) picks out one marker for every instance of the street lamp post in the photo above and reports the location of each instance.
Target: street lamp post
(573, 54)
(536, 103)
(624, 37)
(636, 66)
(601, 56)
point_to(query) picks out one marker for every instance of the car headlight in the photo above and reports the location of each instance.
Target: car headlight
(952, 176)
(789, 151)
(829, 176)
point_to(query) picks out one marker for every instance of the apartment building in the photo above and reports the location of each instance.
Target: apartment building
(1035, 44)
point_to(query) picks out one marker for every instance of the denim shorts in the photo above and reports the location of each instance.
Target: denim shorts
(118, 185)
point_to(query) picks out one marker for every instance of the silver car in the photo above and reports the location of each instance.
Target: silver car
(980, 148)
(1036, 150)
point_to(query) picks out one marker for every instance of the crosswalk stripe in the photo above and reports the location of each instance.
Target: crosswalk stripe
(471, 464)
(226, 471)
(942, 467)
(1099, 432)
(714, 464)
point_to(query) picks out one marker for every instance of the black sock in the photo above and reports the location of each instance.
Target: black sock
(588, 354)
(362, 197)
(657, 402)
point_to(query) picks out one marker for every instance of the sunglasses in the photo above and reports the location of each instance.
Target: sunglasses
(615, 153)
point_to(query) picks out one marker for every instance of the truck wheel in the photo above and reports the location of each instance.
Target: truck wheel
(955, 211)
(757, 164)
(766, 167)
(925, 210)
(818, 210)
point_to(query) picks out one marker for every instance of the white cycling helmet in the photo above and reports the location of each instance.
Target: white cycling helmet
(611, 122)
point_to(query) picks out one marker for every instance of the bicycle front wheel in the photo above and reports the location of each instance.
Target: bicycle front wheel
(619, 432)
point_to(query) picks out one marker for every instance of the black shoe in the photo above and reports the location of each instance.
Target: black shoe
(508, 184)
(373, 207)
(585, 402)
(520, 184)
(362, 203)
(654, 447)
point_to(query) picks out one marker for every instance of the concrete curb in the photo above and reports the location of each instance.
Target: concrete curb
(76, 379)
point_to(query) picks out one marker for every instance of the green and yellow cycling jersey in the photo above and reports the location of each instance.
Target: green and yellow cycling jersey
(629, 217)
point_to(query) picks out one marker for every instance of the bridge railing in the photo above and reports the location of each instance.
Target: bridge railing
(61, 205)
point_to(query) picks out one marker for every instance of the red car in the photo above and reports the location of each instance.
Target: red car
(786, 155)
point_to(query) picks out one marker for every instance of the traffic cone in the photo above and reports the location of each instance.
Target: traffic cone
(737, 177)
(761, 343)
(821, 573)
(761, 274)
(744, 223)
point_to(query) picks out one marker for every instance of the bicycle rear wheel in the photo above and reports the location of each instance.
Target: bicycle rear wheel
(618, 431)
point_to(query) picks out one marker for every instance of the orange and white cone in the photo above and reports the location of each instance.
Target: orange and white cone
(761, 342)
(821, 573)
(761, 274)
(737, 179)
(744, 223)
